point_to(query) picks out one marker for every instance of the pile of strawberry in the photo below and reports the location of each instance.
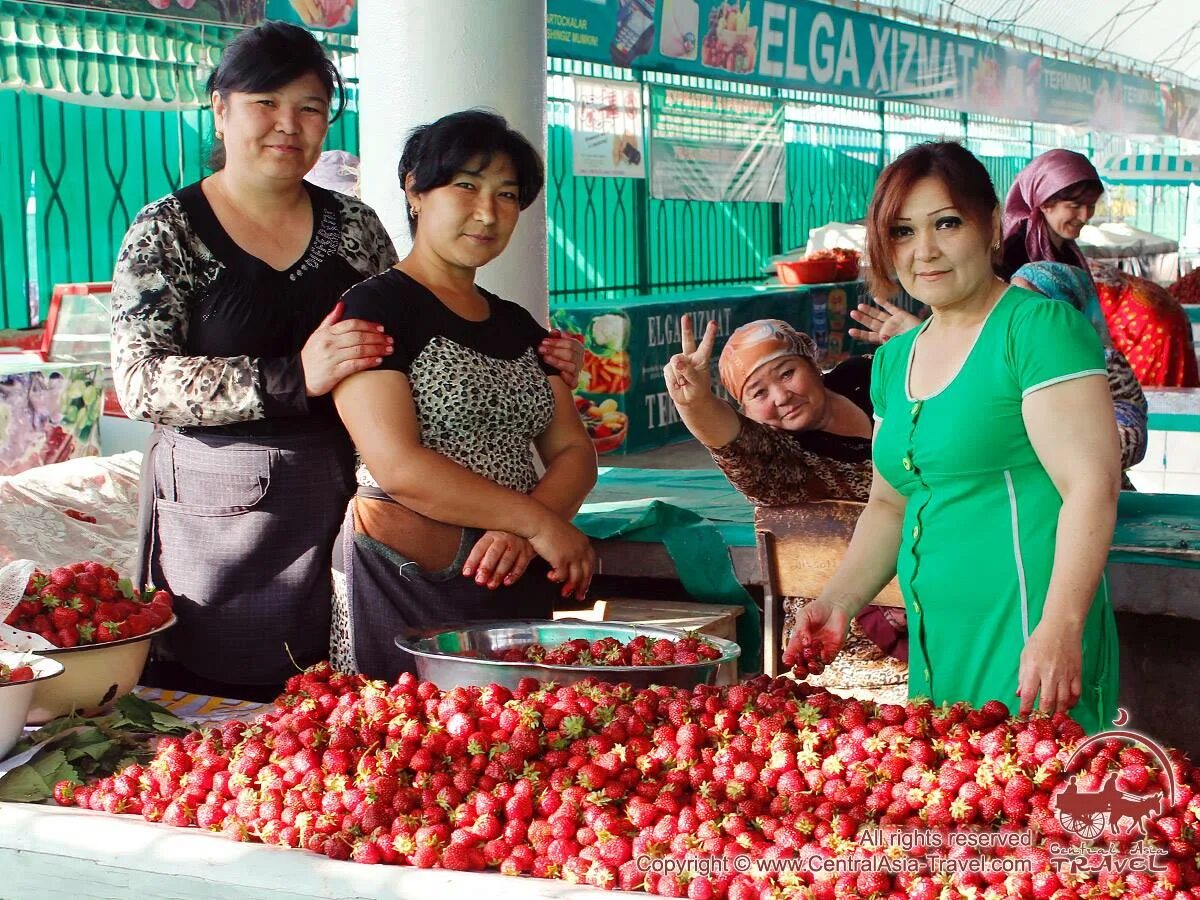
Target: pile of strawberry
(14, 674)
(87, 603)
(811, 660)
(1187, 288)
(581, 782)
(608, 651)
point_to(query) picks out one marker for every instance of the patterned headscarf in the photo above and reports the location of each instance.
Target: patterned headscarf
(1045, 176)
(754, 345)
(1059, 281)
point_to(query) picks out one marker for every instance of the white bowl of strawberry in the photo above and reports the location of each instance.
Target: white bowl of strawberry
(20, 675)
(97, 626)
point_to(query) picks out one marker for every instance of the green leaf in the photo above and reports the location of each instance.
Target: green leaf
(35, 780)
(93, 751)
(125, 586)
(151, 716)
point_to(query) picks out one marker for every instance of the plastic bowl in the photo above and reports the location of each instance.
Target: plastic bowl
(807, 271)
(437, 652)
(96, 676)
(15, 699)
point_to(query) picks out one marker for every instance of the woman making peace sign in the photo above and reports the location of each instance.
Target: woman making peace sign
(800, 435)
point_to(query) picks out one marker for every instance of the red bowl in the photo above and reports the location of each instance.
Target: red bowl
(847, 269)
(807, 271)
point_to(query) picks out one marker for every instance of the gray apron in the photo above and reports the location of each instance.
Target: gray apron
(241, 531)
(387, 593)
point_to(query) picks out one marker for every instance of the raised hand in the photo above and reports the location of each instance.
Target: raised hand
(339, 348)
(881, 323)
(688, 374)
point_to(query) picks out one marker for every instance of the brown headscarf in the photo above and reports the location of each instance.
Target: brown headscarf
(756, 344)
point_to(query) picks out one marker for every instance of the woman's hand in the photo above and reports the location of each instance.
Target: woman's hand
(1051, 668)
(687, 374)
(822, 622)
(569, 553)
(338, 349)
(881, 323)
(565, 354)
(498, 557)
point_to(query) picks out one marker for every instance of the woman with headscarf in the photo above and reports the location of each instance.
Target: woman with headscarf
(1048, 205)
(1050, 202)
(797, 435)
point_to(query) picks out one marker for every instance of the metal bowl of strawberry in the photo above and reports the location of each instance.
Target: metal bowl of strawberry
(566, 651)
(20, 675)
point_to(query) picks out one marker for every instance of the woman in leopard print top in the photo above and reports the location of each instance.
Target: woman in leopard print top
(451, 522)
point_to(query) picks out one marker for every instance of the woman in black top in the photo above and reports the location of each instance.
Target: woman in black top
(228, 335)
(458, 525)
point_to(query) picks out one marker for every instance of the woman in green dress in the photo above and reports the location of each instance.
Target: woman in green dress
(997, 465)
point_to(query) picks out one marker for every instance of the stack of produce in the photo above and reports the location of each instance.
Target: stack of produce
(608, 651)
(87, 603)
(600, 784)
(1187, 288)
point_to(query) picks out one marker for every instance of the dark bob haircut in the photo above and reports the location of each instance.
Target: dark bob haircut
(434, 153)
(267, 57)
(966, 180)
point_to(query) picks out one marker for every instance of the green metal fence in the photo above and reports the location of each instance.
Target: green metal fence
(73, 176)
(608, 237)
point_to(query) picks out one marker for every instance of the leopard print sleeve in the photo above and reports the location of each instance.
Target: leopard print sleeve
(772, 469)
(1130, 405)
(365, 242)
(161, 269)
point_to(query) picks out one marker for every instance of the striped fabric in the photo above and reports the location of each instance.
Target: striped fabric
(1155, 168)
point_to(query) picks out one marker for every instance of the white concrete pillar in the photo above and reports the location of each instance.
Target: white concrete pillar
(421, 59)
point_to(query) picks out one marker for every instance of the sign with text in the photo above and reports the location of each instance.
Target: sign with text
(607, 133)
(715, 147)
(806, 45)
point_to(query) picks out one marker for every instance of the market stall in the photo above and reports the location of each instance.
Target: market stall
(622, 396)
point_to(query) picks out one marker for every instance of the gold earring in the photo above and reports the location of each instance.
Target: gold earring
(220, 135)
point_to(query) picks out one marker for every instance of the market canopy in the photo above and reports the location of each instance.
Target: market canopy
(1119, 240)
(1156, 168)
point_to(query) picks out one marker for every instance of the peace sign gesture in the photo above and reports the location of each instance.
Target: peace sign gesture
(688, 374)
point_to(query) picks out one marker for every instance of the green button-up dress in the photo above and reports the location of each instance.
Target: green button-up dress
(978, 540)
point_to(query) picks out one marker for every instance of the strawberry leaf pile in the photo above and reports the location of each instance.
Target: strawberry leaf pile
(75, 749)
(605, 785)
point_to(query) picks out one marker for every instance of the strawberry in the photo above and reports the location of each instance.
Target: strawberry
(15, 674)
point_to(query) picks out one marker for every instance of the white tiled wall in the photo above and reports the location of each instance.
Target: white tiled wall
(1171, 464)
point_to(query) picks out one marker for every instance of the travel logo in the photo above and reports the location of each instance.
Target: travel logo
(1117, 809)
